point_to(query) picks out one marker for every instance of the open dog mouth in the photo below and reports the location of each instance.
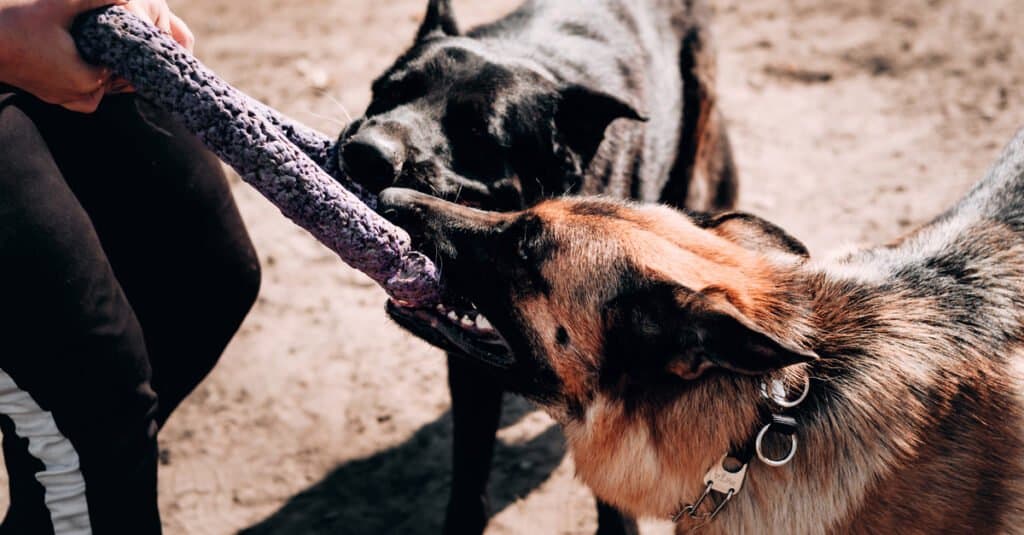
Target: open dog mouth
(461, 329)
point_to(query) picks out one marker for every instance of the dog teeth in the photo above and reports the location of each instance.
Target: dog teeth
(483, 324)
(471, 320)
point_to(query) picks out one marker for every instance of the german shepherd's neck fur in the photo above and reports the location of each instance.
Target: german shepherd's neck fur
(646, 332)
(914, 417)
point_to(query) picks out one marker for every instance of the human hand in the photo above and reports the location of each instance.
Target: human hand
(157, 13)
(38, 54)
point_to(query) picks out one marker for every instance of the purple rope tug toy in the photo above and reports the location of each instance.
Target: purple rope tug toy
(290, 164)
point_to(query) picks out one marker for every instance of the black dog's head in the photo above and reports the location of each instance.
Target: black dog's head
(463, 120)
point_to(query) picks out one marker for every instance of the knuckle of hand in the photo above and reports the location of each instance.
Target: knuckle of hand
(86, 85)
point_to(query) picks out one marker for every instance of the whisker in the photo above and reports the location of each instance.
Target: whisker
(439, 264)
(340, 105)
(337, 122)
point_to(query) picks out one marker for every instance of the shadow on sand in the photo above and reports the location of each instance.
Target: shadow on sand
(404, 489)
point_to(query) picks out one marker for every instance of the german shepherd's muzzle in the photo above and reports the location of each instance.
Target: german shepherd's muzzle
(648, 334)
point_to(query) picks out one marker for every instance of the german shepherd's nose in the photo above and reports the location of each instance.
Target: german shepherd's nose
(433, 221)
(372, 159)
(405, 208)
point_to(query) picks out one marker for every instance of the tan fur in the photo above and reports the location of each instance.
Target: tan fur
(876, 461)
(647, 332)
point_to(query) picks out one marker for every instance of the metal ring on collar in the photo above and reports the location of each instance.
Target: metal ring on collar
(775, 390)
(767, 460)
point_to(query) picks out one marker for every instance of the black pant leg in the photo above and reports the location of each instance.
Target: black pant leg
(165, 215)
(74, 373)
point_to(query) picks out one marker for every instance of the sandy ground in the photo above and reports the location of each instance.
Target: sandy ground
(852, 121)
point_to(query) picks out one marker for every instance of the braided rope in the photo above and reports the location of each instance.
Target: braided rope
(292, 165)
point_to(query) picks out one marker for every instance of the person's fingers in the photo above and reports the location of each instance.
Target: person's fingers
(163, 21)
(118, 85)
(85, 5)
(80, 77)
(154, 12)
(181, 33)
(87, 103)
(76, 7)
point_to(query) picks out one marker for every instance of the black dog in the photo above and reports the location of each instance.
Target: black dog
(526, 108)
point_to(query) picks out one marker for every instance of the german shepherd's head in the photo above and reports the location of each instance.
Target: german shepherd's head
(614, 316)
(593, 297)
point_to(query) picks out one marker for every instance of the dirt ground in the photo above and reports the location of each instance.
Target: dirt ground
(852, 121)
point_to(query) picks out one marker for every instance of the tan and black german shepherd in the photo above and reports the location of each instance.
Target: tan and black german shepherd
(648, 334)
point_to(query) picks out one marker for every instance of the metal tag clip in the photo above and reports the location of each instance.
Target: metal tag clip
(721, 480)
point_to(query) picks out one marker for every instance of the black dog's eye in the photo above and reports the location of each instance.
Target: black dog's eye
(476, 153)
(477, 131)
(466, 116)
(391, 92)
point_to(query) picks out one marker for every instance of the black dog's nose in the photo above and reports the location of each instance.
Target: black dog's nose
(373, 161)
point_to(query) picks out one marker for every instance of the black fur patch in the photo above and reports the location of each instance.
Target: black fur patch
(638, 344)
(534, 249)
(582, 30)
(561, 336)
(595, 208)
(770, 230)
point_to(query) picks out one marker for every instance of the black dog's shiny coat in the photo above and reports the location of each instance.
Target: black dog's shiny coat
(610, 97)
(519, 110)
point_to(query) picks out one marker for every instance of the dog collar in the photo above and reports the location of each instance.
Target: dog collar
(726, 477)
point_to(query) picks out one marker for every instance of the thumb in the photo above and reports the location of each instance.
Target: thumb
(76, 7)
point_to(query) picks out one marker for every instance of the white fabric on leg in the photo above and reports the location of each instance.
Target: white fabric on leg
(61, 477)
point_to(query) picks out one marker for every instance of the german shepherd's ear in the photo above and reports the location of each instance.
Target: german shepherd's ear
(687, 333)
(584, 114)
(753, 232)
(440, 20)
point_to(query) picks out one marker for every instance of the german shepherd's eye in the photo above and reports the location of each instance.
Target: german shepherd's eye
(531, 250)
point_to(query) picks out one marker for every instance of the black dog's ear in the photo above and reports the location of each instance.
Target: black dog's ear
(687, 333)
(584, 114)
(753, 232)
(439, 20)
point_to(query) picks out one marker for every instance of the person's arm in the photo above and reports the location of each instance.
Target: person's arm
(38, 54)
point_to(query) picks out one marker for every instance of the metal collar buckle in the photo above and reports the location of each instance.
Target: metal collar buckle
(775, 390)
